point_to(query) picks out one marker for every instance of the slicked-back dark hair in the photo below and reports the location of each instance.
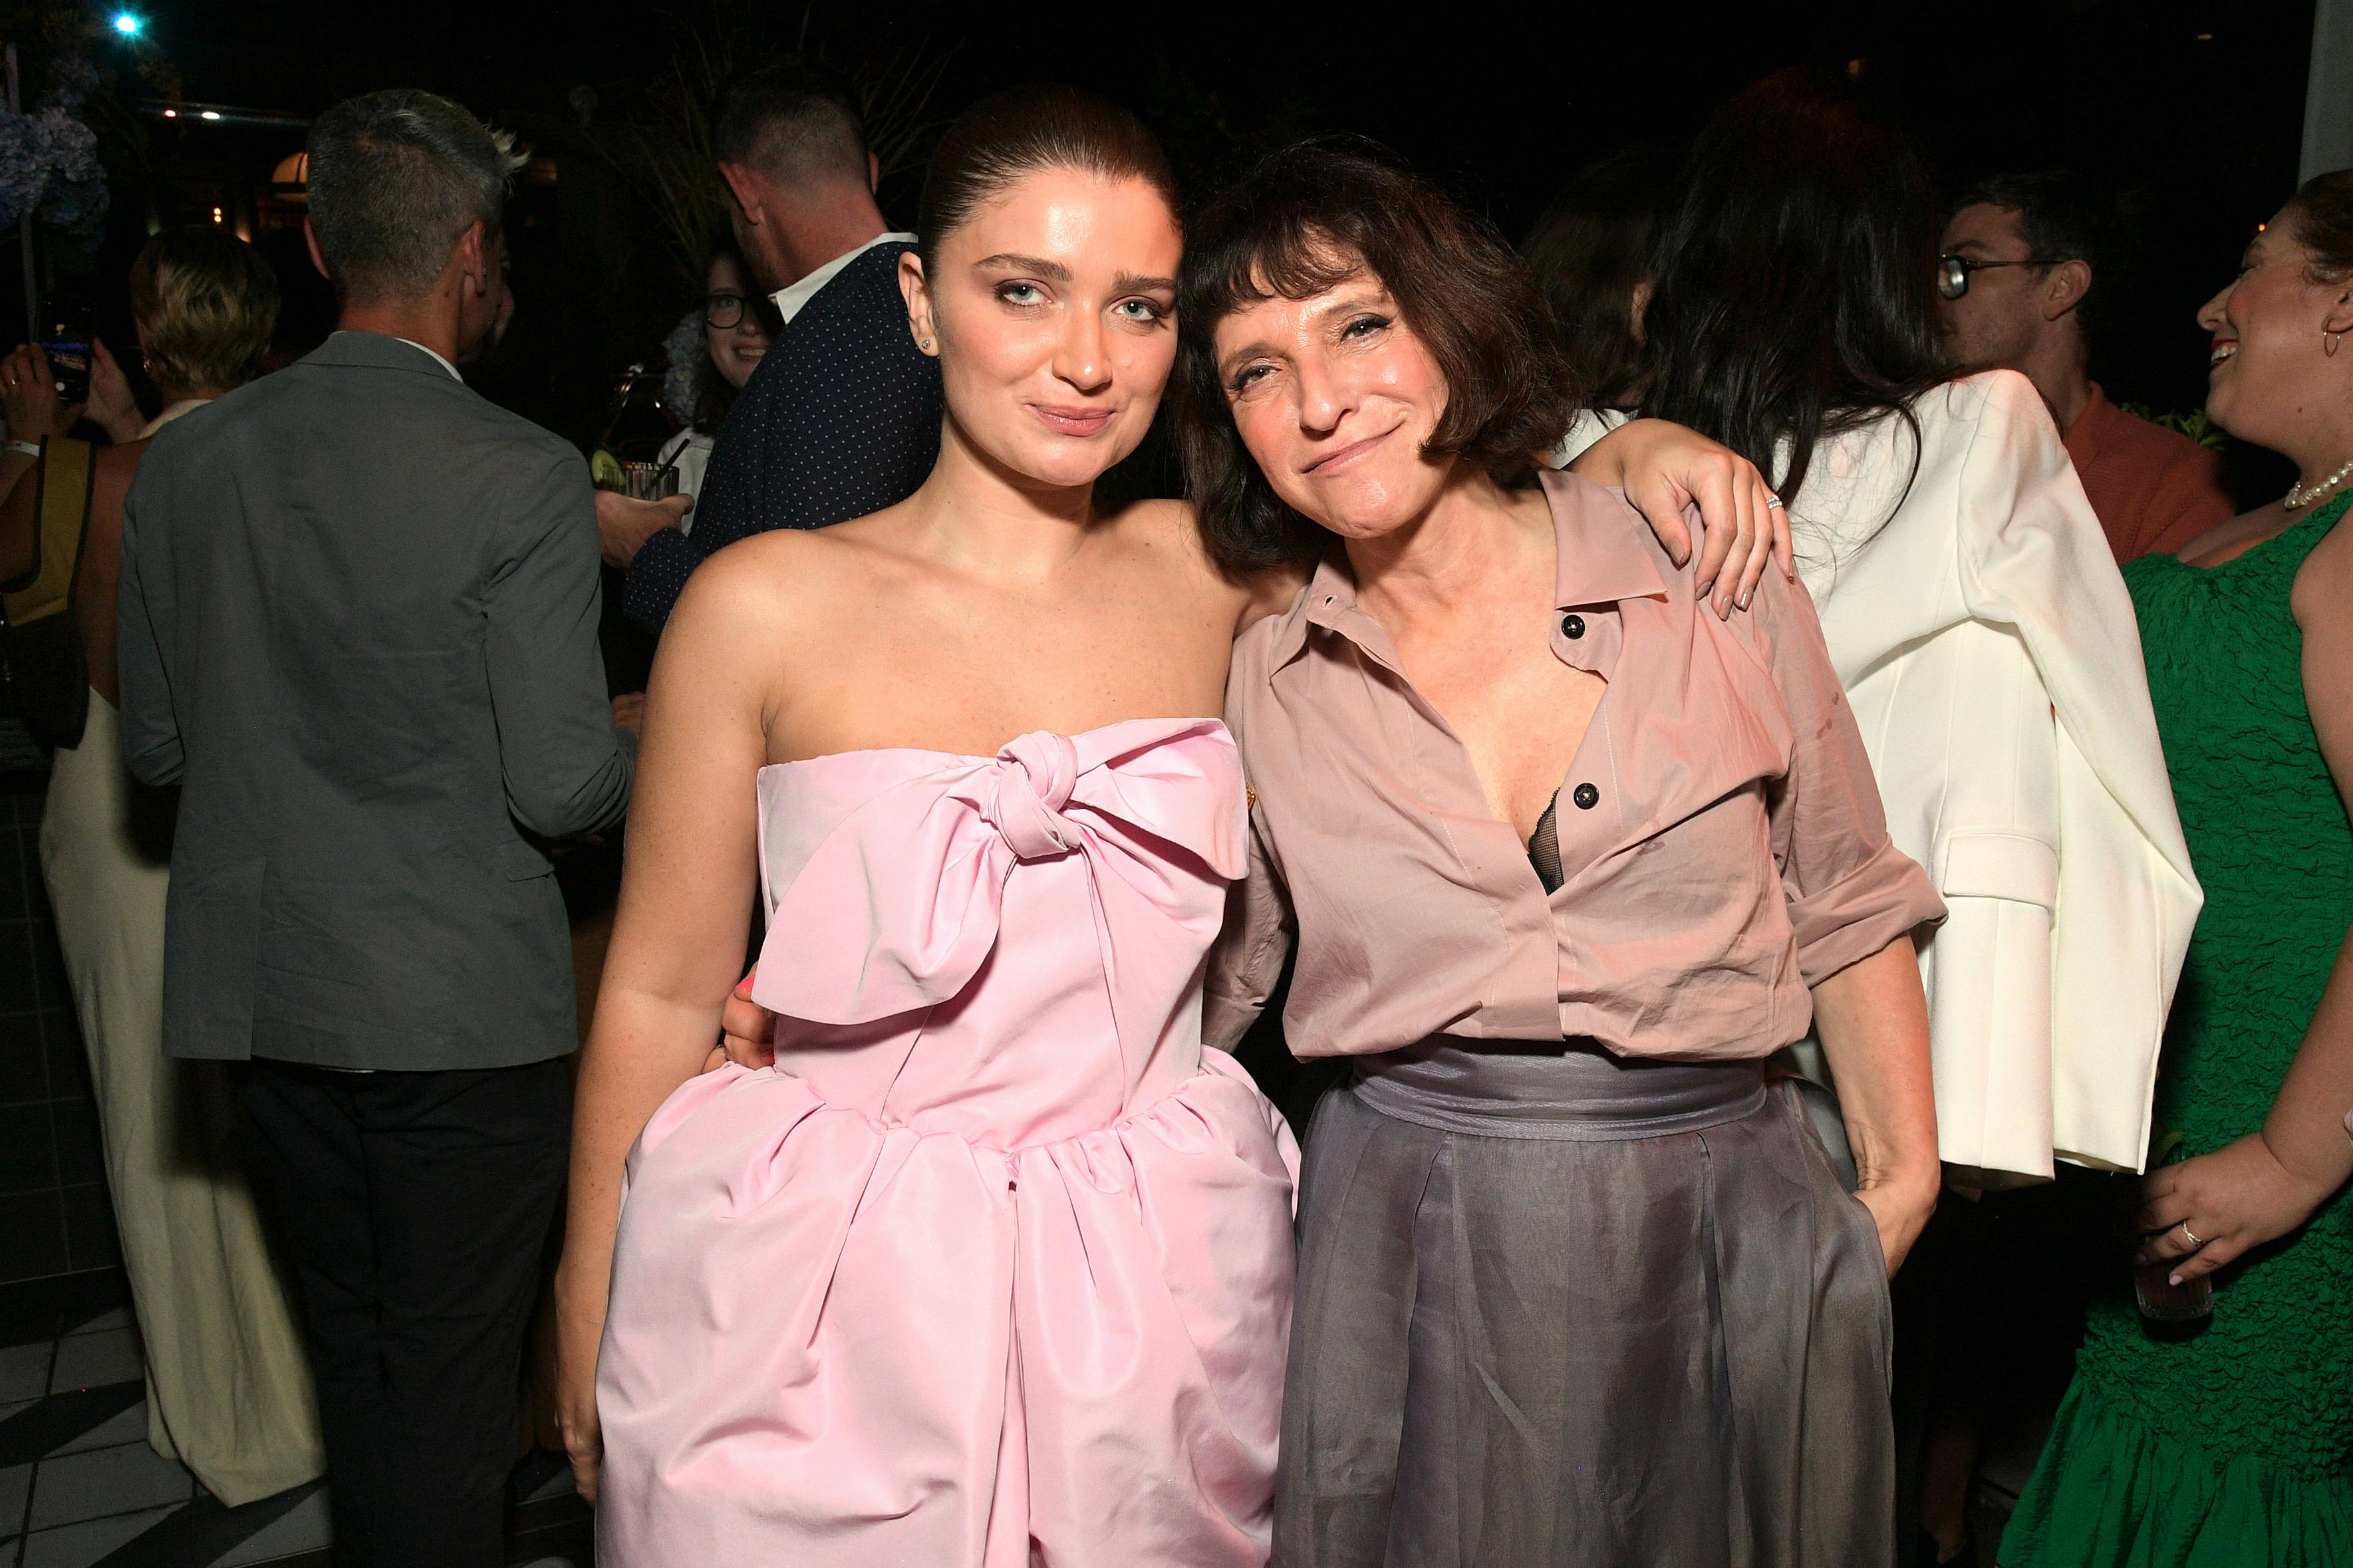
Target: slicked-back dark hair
(2062, 216)
(796, 121)
(1022, 130)
(1793, 275)
(1300, 221)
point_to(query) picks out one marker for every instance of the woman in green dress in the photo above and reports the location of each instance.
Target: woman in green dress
(2233, 1447)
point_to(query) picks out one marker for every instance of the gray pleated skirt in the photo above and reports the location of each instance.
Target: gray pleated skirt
(1558, 1310)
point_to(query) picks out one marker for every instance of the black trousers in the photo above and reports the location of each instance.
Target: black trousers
(417, 1205)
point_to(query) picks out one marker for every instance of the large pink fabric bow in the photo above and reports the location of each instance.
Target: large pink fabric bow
(903, 901)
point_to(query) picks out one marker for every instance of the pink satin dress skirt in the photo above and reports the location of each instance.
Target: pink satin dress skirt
(993, 1266)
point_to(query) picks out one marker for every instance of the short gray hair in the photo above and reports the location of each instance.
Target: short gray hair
(396, 177)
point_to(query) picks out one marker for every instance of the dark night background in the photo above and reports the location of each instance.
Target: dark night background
(2194, 105)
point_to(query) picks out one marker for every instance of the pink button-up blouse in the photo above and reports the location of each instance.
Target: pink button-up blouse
(1721, 838)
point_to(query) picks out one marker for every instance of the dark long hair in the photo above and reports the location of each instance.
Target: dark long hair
(1793, 273)
(1592, 250)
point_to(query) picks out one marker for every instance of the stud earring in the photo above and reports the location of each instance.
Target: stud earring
(925, 345)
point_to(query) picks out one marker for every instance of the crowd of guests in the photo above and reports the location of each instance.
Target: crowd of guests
(1667, 699)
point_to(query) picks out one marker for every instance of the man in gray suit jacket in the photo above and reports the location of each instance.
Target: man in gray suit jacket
(358, 628)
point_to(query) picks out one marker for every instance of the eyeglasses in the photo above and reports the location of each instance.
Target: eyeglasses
(722, 310)
(1953, 271)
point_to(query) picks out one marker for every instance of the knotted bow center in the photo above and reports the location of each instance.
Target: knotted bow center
(1028, 788)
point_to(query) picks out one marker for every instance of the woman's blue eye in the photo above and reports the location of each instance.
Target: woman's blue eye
(1020, 293)
(1138, 310)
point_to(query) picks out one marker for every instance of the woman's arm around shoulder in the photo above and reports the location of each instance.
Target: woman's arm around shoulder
(1668, 473)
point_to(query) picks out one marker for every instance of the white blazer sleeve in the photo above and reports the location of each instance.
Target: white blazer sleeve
(1589, 426)
(2032, 558)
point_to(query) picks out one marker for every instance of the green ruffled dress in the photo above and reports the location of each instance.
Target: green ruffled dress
(2232, 1448)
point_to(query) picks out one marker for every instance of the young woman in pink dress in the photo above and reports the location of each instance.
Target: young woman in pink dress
(993, 1265)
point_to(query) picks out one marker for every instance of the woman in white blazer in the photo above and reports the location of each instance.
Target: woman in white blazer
(1990, 655)
(1971, 605)
(1988, 649)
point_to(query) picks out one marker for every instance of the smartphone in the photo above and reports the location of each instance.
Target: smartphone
(65, 339)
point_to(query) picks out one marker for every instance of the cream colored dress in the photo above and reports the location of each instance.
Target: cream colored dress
(228, 1385)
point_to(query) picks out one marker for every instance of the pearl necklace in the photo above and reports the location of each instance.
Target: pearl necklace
(2299, 496)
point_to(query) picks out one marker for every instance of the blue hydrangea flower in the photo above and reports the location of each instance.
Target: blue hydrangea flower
(77, 197)
(24, 168)
(683, 380)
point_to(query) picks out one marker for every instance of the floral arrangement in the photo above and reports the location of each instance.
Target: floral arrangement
(49, 159)
(683, 378)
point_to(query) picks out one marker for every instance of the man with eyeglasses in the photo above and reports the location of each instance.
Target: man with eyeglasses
(2015, 282)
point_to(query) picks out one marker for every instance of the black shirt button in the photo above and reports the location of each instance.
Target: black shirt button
(1585, 796)
(1572, 626)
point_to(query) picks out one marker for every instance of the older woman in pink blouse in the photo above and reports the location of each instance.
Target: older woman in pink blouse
(1563, 856)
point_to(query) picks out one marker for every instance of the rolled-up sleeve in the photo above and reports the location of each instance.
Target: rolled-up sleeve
(1849, 890)
(1248, 958)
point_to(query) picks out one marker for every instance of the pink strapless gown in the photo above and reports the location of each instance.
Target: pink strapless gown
(993, 1267)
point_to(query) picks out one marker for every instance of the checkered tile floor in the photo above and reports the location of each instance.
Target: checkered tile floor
(79, 1488)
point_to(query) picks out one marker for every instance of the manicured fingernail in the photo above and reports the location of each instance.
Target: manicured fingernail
(2173, 1279)
(1745, 598)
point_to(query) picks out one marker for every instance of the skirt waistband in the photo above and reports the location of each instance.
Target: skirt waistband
(1571, 1090)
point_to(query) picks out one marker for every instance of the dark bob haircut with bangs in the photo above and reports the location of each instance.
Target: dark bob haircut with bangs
(1299, 221)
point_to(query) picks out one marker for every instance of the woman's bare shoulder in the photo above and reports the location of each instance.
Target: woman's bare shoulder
(1160, 525)
(777, 588)
(2322, 595)
(1251, 593)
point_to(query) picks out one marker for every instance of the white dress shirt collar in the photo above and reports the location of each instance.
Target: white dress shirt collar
(412, 342)
(172, 411)
(790, 301)
(444, 364)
